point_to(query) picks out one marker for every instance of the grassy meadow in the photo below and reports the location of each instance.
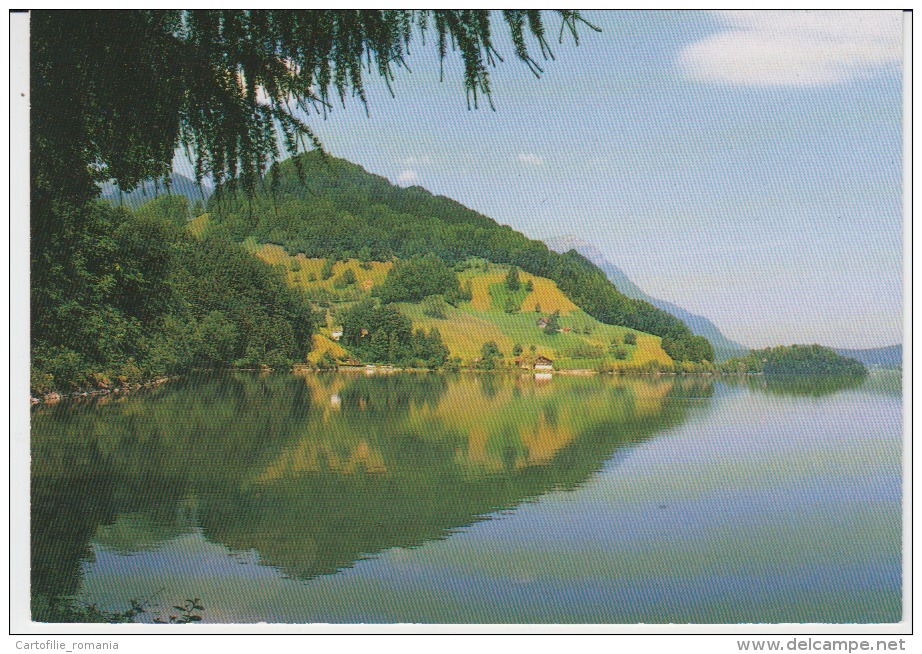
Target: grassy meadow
(582, 343)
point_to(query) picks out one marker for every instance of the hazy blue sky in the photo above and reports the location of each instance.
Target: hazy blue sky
(744, 166)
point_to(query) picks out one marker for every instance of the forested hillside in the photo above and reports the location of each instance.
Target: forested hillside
(322, 206)
(126, 297)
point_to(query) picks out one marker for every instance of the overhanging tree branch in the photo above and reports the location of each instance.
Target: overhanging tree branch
(115, 93)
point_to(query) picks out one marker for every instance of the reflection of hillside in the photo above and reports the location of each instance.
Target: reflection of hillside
(69, 510)
(489, 435)
(312, 456)
(800, 385)
(312, 483)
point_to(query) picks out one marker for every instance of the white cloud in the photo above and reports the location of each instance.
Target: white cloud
(795, 48)
(530, 159)
(407, 176)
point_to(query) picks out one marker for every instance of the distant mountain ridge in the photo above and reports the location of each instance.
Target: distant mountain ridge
(724, 348)
(889, 356)
(147, 191)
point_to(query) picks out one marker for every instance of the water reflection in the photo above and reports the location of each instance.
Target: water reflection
(314, 473)
(800, 385)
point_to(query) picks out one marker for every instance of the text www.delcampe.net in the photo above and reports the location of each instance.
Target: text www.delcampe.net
(819, 644)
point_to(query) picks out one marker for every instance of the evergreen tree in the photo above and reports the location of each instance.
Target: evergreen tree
(553, 324)
(795, 360)
(327, 271)
(347, 278)
(365, 258)
(419, 277)
(140, 297)
(489, 356)
(512, 279)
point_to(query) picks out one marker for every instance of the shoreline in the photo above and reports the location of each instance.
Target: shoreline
(55, 397)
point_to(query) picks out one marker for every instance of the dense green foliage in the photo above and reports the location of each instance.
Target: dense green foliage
(327, 271)
(490, 356)
(795, 360)
(320, 205)
(346, 279)
(174, 210)
(413, 279)
(133, 296)
(381, 334)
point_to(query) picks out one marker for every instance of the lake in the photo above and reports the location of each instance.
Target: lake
(474, 498)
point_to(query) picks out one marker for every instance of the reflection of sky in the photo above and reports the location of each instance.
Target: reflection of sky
(768, 200)
(757, 508)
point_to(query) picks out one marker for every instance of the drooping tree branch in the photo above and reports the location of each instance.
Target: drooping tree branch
(116, 92)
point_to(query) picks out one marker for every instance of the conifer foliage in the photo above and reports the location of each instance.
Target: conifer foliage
(115, 92)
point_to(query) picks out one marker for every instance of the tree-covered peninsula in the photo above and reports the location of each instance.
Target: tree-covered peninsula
(795, 360)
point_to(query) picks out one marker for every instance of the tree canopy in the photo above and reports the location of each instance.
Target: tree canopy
(132, 296)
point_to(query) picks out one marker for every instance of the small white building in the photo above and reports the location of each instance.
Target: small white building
(543, 364)
(337, 334)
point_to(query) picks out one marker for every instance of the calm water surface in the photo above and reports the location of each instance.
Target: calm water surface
(434, 498)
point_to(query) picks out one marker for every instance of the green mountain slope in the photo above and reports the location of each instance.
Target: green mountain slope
(323, 206)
